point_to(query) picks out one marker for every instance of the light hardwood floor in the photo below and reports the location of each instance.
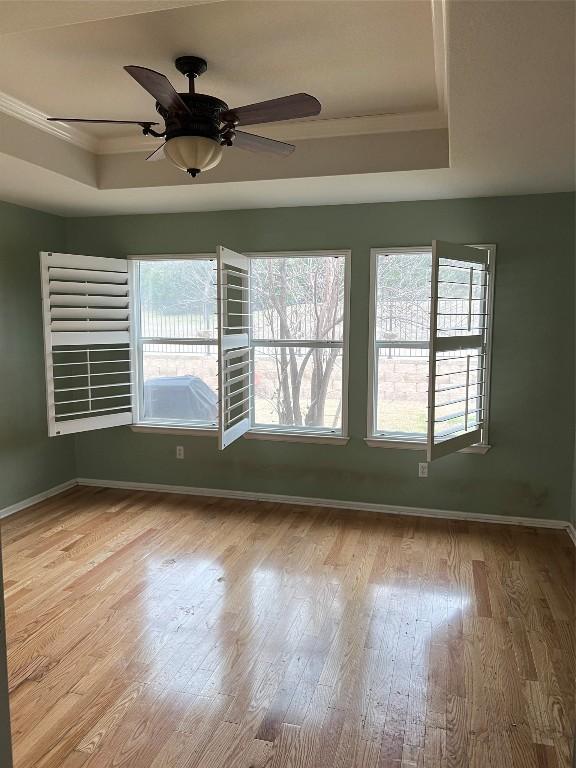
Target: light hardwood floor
(159, 631)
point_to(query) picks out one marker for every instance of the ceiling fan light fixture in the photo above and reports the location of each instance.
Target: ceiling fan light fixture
(193, 153)
(197, 125)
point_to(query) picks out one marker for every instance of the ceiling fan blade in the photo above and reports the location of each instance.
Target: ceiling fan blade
(158, 154)
(158, 86)
(255, 143)
(284, 108)
(89, 120)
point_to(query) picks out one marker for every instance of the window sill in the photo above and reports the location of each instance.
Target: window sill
(325, 438)
(382, 442)
(255, 434)
(168, 430)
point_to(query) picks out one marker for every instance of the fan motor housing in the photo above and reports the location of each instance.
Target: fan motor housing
(204, 119)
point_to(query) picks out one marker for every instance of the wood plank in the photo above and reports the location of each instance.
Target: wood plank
(157, 631)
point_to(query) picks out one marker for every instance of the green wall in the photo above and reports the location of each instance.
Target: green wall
(529, 470)
(30, 462)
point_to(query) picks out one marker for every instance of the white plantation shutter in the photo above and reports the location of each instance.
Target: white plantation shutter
(234, 352)
(458, 362)
(86, 313)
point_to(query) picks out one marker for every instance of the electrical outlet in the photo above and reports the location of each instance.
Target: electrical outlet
(179, 451)
(423, 469)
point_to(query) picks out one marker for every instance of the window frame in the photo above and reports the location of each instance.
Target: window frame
(311, 434)
(199, 428)
(262, 432)
(377, 439)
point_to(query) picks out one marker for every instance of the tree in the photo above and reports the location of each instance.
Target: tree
(178, 296)
(403, 301)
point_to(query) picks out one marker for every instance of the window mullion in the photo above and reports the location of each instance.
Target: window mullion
(401, 344)
(188, 341)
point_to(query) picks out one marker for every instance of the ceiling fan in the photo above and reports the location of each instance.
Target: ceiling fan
(198, 126)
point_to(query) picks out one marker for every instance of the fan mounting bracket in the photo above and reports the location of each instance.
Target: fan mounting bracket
(147, 130)
(191, 66)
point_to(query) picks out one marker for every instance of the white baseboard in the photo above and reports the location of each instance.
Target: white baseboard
(31, 500)
(362, 506)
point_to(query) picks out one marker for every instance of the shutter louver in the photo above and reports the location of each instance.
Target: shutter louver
(234, 350)
(458, 374)
(86, 310)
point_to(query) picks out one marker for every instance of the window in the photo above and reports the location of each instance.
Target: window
(176, 341)
(430, 369)
(278, 322)
(222, 342)
(299, 306)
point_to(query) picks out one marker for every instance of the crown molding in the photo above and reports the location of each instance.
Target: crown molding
(305, 129)
(287, 131)
(21, 111)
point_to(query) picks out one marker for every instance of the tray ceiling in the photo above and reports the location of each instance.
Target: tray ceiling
(422, 100)
(359, 58)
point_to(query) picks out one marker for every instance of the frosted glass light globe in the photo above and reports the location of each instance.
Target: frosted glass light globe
(193, 153)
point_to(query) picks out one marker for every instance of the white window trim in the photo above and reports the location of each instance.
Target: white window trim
(318, 434)
(179, 430)
(192, 430)
(320, 437)
(323, 438)
(262, 432)
(376, 440)
(418, 445)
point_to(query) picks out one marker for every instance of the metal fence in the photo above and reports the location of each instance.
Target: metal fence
(399, 320)
(396, 320)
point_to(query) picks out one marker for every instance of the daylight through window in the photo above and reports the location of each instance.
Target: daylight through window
(401, 338)
(298, 331)
(298, 320)
(177, 342)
